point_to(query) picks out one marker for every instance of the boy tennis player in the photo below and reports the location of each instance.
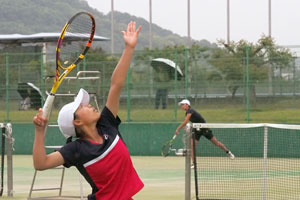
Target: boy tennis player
(99, 153)
(195, 117)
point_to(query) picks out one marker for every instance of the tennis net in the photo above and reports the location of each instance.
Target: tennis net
(266, 164)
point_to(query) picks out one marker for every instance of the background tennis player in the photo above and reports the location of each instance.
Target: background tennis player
(195, 117)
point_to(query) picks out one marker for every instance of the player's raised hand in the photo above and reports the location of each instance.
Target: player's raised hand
(130, 36)
(39, 121)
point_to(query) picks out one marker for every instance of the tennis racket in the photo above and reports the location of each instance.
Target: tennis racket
(73, 43)
(166, 148)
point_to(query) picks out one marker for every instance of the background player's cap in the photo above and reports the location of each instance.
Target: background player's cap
(184, 101)
(66, 114)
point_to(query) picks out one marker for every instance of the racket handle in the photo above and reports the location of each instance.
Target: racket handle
(174, 137)
(48, 106)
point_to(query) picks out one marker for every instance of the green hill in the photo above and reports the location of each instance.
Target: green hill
(34, 16)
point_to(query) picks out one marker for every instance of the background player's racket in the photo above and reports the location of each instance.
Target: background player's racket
(167, 147)
(74, 41)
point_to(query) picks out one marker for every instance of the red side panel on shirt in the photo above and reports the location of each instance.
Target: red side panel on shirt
(114, 174)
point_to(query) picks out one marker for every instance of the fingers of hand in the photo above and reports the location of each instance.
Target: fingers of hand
(131, 28)
(139, 29)
(131, 34)
(38, 120)
(128, 27)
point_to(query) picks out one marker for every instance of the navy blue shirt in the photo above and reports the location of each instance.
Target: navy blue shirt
(107, 167)
(195, 116)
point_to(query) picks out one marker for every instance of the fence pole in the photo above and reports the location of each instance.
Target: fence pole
(176, 87)
(247, 84)
(42, 77)
(84, 75)
(186, 85)
(78, 82)
(7, 88)
(294, 77)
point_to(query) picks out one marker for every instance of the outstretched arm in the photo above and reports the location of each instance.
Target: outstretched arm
(186, 120)
(118, 78)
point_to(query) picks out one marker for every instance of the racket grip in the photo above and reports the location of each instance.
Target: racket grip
(174, 137)
(48, 106)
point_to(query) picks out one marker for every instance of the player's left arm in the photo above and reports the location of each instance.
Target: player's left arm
(186, 120)
(118, 78)
(41, 160)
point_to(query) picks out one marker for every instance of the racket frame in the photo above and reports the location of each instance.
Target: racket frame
(60, 77)
(168, 145)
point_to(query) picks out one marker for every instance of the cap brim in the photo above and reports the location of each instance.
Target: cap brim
(83, 98)
(66, 114)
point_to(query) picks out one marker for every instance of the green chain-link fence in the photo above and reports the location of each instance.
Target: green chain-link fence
(223, 89)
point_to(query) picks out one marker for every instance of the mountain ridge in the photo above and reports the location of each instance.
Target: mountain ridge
(35, 16)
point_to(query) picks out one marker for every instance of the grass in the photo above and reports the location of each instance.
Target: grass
(212, 115)
(223, 111)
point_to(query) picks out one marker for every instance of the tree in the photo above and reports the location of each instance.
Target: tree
(230, 60)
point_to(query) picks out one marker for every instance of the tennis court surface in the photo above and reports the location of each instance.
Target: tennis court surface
(163, 179)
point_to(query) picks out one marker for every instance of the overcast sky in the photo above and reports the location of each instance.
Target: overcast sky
(248, 18)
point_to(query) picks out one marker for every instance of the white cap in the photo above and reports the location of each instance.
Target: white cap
(184, 101)
(66, 114)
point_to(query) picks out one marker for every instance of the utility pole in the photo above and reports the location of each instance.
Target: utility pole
(150, 24)
(270, 19)
(228, 21)
(188, 23)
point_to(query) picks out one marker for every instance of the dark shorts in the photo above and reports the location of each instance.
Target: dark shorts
(206, 132)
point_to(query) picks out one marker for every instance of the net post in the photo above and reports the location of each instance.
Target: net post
(188, 162)
(9, 140)
(10, 143)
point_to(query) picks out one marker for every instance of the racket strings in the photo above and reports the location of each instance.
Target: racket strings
(59, 75)
(75, 40)
(166, 149)
(69, 68)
